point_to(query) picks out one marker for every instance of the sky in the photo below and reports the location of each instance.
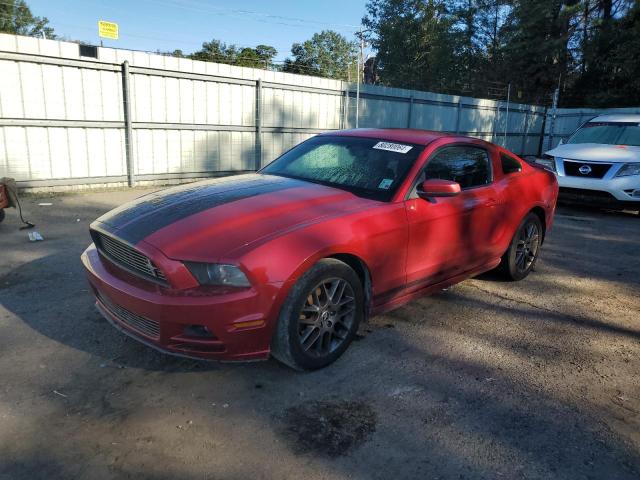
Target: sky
(167, 25)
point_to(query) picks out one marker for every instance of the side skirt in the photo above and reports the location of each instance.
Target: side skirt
(401, 297)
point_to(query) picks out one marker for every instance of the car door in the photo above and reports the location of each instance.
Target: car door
(451, 235)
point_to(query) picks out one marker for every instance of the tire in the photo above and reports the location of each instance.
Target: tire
(523, 252)
(1, 214)
(320, 316)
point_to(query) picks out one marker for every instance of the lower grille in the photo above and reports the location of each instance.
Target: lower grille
(143, 325)
(574, 168)
(127, 257)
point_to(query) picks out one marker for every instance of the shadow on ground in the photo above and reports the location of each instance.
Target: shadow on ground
(488, 380)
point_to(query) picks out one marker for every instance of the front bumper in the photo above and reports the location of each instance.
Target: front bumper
(238, 322)
(609, 191)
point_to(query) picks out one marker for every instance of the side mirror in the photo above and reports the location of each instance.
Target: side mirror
(438, 188)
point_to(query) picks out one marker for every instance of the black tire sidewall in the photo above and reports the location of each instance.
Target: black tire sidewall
(288, 322)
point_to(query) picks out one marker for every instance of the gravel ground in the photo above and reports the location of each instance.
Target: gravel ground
(536, 379)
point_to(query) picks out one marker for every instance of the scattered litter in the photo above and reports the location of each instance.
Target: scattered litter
(77, 219)
(489, 379)
(400, 392)
(113, 365)
(213, 404)
(45, 204)
(226, 405)
(58, 393)
(35, 237)
(190, 422)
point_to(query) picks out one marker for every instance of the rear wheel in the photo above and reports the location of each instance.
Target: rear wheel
(320, 316)
(521, 256)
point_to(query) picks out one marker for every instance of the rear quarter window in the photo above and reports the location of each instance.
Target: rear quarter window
(509, 164)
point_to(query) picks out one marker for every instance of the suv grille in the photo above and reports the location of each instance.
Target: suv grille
(144, 325)
(593, 170)
(126, 257)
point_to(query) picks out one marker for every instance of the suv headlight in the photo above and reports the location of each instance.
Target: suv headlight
(548, 162)
(629, 169)
(218, 274)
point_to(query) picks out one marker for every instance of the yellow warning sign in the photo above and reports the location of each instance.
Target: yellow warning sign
(108, 30)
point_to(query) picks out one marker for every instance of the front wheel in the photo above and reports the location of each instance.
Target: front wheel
(521, 256)
(320, 317)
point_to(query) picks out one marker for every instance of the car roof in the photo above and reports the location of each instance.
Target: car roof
(407, 135)
(618, 117)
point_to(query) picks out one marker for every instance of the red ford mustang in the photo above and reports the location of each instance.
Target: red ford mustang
(288, 261)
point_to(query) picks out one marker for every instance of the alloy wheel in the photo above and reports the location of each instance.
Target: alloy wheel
(326, 317)
(527, 246)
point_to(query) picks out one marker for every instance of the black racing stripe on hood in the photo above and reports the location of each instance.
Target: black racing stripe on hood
(134, 222)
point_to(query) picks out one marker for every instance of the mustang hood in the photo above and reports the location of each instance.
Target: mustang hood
(596, 152)
(206, 220)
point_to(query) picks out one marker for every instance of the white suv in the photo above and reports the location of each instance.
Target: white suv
(600, 163)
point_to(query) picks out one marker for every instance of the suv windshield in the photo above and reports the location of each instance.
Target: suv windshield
(608, 133)
(367, 167)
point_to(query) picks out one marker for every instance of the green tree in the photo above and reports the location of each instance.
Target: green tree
(326, 54)
(258, 57)
(16, 18)
(538, 36)
(417, 45)
(217, 51)
(609, 68)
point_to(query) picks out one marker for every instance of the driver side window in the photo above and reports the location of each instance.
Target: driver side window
(468, 166)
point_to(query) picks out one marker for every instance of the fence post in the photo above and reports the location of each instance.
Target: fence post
(526, 131)
(128, 130)
(552, 126)
(345, 108)
(258, 144)
(506, 120)
(410, 114)
(542, 131)
(495, 122)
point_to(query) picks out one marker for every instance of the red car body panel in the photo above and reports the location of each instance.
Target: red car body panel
(274, 229)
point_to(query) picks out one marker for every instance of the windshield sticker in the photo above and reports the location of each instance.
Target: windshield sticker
(392, 147)
(386, 183)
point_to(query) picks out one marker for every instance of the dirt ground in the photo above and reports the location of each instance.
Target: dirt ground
(535, 380)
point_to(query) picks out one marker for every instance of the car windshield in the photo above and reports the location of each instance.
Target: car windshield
(608, 133)
(367, 167)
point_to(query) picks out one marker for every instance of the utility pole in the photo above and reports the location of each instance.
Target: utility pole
(360, 55)
(554, 111)
(506, 121)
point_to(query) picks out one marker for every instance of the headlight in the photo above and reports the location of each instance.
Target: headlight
(218, 274)
(629, 169)
(548, 162)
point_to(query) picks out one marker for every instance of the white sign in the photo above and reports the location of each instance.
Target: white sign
(393, 147)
